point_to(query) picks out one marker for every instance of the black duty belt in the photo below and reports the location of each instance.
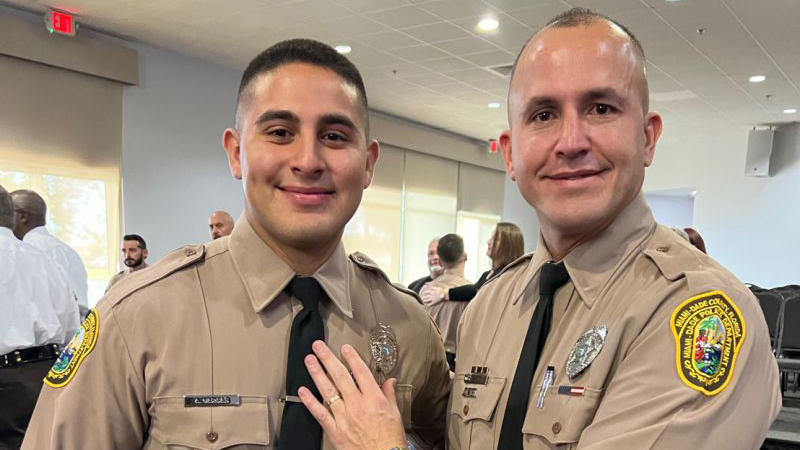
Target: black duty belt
(28, 355)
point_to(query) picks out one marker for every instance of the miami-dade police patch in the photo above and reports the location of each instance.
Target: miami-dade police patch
(73, 355)
(709, 331)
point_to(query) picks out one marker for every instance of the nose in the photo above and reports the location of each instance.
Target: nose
(307, 160)
(573, 140)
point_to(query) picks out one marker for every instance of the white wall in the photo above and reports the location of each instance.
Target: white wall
(174, 171)
(750, 225)
(675, 211)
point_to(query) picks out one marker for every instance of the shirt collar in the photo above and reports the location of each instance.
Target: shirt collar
(454, 271)
(38, 230)
(592, 264)
(265, 274)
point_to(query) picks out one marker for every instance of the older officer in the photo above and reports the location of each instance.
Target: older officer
(616, 333)
(205, 350)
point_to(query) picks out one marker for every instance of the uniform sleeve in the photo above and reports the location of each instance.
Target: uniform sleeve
(428, 414)
(101, 402)
(647, 406)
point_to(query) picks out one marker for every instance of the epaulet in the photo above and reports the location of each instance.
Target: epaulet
(365, 262)
(522, 259)
(670, 254)
(172, 262)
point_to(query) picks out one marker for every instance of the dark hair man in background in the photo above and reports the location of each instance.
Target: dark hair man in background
(220, 224)
(134, 255)
(445, 313)
(613, 334)
(30, 227)
(206, 349)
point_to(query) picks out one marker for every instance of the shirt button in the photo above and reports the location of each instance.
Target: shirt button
(557, 428)
(212, 436)
(466, 409)
(662, 249)
(190, 252)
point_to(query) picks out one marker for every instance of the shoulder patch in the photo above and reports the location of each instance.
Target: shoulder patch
(709, 331)
(365, 262)
(75, 352)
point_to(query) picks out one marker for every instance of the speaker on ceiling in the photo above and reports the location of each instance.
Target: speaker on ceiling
(759, 152)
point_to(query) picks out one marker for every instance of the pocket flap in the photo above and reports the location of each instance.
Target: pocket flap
(562, 418)
(210, 428)
(476, 401)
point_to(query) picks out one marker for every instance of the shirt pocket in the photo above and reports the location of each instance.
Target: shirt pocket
(176, 426)
(472, 411)
(405, 401)
(562, 418)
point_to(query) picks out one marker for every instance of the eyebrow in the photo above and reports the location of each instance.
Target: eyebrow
(266, 116)
(336, 119)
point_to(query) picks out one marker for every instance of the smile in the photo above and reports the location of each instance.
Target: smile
(305, 196)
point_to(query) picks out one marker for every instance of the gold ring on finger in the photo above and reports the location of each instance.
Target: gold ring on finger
(332, 400)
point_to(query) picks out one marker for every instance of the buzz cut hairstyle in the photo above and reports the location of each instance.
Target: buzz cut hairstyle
(306, 51)
(137, 238)
(581, 17)
(6, 209)
(450, 248)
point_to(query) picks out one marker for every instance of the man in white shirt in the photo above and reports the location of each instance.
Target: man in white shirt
(30, 219)
(38, 315)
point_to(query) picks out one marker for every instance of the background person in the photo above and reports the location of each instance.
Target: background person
(220, 224)
(30, 227)
(37, 315)
(434, 267)
(134, 255)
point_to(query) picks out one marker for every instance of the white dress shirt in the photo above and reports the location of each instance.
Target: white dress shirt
(36, 305)
(67, 259)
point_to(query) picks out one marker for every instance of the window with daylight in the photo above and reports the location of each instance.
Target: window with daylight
(82, 211)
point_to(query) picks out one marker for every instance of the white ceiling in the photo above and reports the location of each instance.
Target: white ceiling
(425, 59)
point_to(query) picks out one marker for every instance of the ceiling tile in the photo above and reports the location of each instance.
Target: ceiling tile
(403, 17)
(465, 46)
(457, 9)
(537, 16)
(448, 64)
(436, 32)
(389, 40)
(418, 53)
(366, 6)
(490, 59)
(352, 26)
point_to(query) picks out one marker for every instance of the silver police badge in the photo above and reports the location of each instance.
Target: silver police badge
(383, 346)
(586, 350)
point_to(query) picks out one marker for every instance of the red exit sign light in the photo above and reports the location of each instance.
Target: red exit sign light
(60, 22)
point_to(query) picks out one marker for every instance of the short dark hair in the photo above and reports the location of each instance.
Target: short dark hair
(450, 249)
(580, 17)
(6, 209)
(306, 51)
(137, 238)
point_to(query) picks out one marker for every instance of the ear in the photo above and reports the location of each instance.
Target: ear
(505, 150)
(373, 151)
(144, 253)
(652, 131)
(231, 144)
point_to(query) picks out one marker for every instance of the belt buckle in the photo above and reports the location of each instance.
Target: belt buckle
(18, 356)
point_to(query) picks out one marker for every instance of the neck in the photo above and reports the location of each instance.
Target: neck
(458, 268)
(560, 242)
(303, 260)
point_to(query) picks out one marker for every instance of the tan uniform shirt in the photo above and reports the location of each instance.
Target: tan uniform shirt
(643, 390)
(445, 313)
(215, 321)
(119, 275)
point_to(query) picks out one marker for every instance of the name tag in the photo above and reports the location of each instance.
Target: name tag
(210, 400)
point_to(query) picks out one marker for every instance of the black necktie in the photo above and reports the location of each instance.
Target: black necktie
(299, 429)
(551, 277)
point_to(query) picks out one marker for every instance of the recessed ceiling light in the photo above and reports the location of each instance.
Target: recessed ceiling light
(493, 105)
(488, 24)
(790, 111)
(757, 78)
(343, 49)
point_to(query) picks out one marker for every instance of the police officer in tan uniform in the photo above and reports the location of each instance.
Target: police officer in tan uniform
(193, 352)
(445, 313)
(616, 333)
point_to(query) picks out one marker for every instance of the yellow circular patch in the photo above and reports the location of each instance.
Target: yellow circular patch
(73, 355)
(709, 331)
